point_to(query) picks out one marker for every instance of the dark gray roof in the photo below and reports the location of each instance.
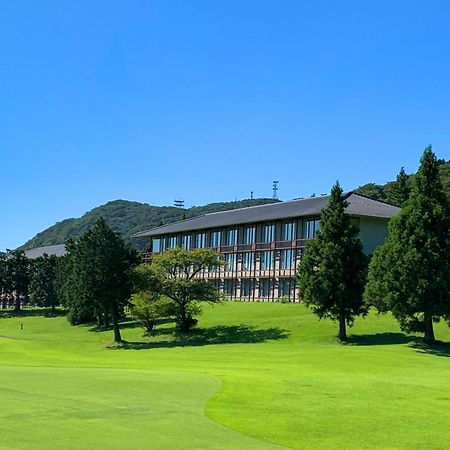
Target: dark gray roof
(359, 205)
(57, 250)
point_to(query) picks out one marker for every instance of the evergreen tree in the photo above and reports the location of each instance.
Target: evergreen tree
(400, 190)
(42, 281)
(97, 271)
(5, 280)
(332, 271)
(410, 273)
(18, 274)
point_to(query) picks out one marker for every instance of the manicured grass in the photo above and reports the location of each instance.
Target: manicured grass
(252, 376)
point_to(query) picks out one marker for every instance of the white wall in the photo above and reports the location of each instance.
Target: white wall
(373, 232)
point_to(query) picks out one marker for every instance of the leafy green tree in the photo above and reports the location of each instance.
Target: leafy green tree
(147, 305)
(332, 272)
(42, 281)
(174, 274)
(147, 308)
(400, 189)
(98, 270)
(18, 274)
(410, 273)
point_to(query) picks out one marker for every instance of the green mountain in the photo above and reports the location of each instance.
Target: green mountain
(383, 191)
(127, 217)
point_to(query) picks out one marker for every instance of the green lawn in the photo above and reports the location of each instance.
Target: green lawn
(253, 376)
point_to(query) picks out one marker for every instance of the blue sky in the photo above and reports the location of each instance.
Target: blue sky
(209, 100)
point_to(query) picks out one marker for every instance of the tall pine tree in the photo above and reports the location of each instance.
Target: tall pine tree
(400, 190)
(96, 274)
(410, 273)
(332, 271)
(42, 281)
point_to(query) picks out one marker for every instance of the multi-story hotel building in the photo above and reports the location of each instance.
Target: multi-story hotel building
(262, 245)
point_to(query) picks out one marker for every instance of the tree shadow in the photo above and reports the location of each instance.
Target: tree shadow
(437, 349)
(236, 334)
(123, 324)
(380, 339)
(31, 312)
(415, 342)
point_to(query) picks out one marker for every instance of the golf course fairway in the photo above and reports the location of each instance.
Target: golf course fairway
(250, 376)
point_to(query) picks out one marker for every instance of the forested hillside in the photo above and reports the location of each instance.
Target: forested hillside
(128, 217)
(385, 191)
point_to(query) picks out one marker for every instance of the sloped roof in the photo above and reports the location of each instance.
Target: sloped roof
(57, 250)
(359, 205)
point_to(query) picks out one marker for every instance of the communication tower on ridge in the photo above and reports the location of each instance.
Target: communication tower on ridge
(275, 190)
(179, 203)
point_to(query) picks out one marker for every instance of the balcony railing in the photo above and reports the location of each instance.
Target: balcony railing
(242, 248)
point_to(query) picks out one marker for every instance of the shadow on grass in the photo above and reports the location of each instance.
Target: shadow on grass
(31, 312)
(124, 324)
(380, 339)
(237, 334)
(438, 349)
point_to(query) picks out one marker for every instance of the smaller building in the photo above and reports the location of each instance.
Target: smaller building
(56, 250)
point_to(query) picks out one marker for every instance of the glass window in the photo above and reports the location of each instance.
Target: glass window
(267, 260)
(187, 241)
(232, 237)
(287, 259)
(248, 261)
(288, 231)
(247, 287)
(310, 228)
(172, 242)
(249, 235)
(200, 240)
(286, 288)
(229, 288)
(268, 233)
(216, 238)
(265, 288)
(157, 245)
(230, 261)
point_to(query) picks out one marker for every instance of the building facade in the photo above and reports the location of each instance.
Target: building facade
(262, 245)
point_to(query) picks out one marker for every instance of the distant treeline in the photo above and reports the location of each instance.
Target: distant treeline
(387, 192)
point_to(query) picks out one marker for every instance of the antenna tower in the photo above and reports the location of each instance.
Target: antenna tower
(179, 203)
(275, 190)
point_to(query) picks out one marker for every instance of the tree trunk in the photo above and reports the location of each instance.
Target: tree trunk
(115, 324)
(183, 319)
(17, 302)
(342, 329)
(429, 331)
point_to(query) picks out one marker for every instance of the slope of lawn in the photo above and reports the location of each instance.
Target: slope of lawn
(251, 376)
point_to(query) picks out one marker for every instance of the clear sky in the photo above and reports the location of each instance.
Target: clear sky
(209, 100)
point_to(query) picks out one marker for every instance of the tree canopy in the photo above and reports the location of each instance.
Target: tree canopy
(410, 273)
(95, 278)
(174, 274)
(332, 271)
(42, 281)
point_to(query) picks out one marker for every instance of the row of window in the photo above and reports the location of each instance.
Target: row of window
(265, 289)
(231, 236)
(266, 260)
